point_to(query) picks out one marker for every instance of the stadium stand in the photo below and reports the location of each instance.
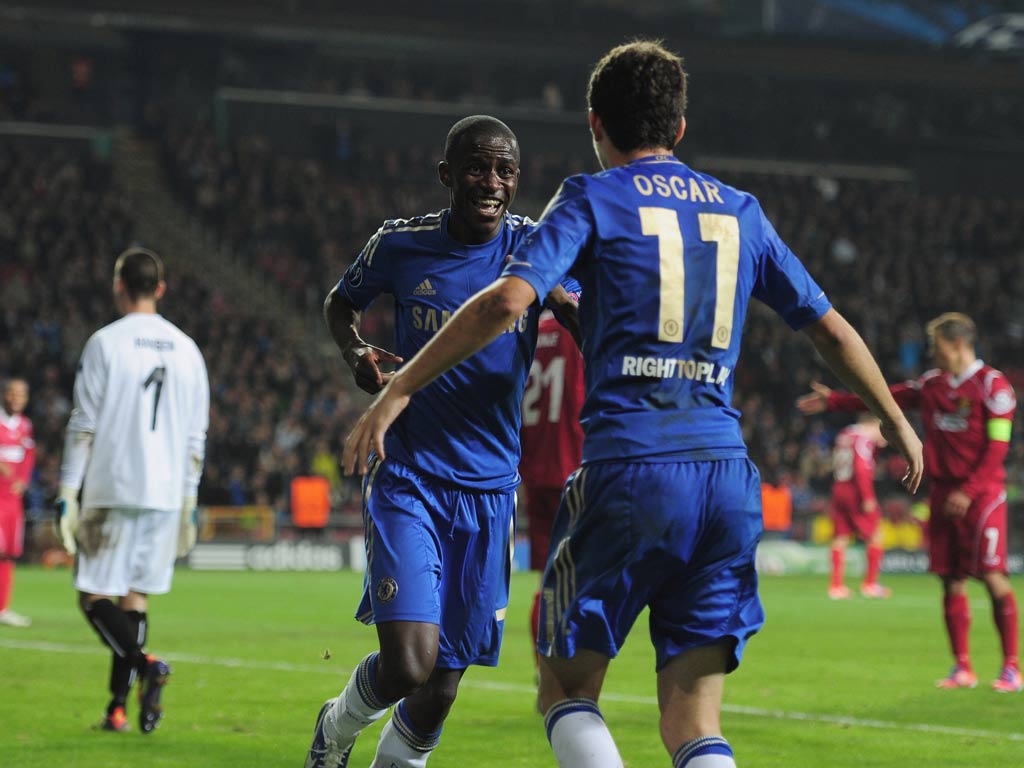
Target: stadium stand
(892, 251)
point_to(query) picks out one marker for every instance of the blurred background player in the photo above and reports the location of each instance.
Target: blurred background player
(665, 511)
(17, 458)
(137, 438)
(439, 508)
(854, 506)
(967, 411)
(551, 437)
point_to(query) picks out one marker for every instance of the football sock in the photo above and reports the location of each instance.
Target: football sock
(874, 564)
(837, 567)
(1004, 610)
(117, 631)
(122, 672)
(535, 622)
(704, 752)
(579, 736)
(958, 624)
(358, 705)
(6, 581)
(403, 745)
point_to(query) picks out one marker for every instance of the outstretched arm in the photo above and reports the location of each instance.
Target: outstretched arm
(364, 359)
(848, 356)
(478, 322)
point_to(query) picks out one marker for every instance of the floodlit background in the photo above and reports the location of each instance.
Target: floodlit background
(258, 145)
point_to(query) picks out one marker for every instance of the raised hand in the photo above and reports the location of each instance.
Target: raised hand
(815, 401)
(957, 504)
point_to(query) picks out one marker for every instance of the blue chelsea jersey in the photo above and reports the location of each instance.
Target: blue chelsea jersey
(463, 428)
(668, 259)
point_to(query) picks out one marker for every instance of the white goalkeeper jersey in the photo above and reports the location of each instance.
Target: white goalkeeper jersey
(143, 393)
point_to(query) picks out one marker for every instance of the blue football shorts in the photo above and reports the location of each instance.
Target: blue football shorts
(440, 555)
(678, 537)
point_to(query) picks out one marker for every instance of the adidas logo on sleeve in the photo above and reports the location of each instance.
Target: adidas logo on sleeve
(424, 289)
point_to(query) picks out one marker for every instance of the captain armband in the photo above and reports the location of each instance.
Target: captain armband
(999, 430)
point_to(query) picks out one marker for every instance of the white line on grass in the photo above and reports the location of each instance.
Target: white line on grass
(775, 714)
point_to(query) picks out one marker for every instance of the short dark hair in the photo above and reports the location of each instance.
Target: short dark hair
(10, 380)
(952, 326)
(639, 92)
(141, 271)
(473, 126)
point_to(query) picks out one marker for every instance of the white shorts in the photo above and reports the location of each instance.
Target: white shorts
(126, 550)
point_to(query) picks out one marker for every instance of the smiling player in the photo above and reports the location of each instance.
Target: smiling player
(438, 513)
(665, 511)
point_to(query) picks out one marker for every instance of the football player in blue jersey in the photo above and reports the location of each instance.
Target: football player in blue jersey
(665, 511)
(439, 512)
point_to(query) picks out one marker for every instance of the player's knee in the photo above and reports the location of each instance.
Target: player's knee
(400, 674)
(997, 583)
(85, 601)
(442, 695)
(951, 586)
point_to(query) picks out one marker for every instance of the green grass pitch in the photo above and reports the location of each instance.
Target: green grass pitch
(825, 684)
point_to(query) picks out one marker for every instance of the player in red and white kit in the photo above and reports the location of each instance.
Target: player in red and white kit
(17, 458)
(551, 436)
(967, 411)
(854, 506)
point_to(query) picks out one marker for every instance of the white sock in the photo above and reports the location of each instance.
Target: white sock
(401, 744)
(358, 705)
(704, 752)
(579, 736)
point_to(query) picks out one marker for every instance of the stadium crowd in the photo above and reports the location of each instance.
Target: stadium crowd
(889, 256)
(276, 412)
(301, 220)
(857, 121)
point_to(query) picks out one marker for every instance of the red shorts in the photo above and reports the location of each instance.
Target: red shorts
(541, 506)
(12, 526)
(847, 517)
(973, 544)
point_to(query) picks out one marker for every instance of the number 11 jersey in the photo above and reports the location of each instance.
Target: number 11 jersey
(668, 259)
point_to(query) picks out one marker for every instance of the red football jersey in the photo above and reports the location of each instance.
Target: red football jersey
(853, 462)
(551, 434)
(955, 412)
(17, 449)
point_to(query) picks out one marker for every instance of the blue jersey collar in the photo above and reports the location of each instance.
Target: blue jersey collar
(455, 246)
(655, 159)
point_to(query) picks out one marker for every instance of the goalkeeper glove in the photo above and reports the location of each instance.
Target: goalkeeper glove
(188, 528)
(67, 518)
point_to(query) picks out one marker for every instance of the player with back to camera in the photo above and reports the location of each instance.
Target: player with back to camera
(135, 447)
(552, 438)
(967, 410)
(665, 511)
(438, 512)
(17, 458)
(854, 506)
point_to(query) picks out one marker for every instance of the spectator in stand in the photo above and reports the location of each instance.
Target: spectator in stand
(296, 220)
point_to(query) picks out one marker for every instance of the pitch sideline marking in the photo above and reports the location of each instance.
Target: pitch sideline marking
(775, 714)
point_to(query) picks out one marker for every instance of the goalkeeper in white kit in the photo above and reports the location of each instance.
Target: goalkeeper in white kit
(134, 448)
